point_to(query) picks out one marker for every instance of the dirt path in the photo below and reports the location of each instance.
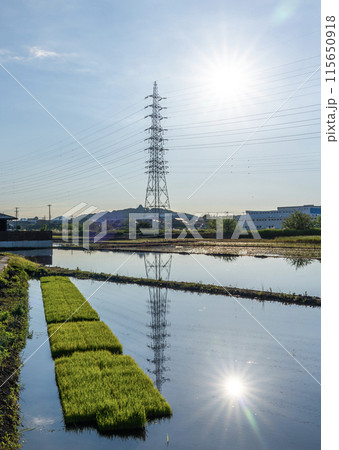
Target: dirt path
(3, 262)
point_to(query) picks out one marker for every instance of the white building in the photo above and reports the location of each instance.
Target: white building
(274, 218)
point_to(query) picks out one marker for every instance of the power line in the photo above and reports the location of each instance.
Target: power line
(258, 71)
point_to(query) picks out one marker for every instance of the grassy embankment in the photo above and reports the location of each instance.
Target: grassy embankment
(286, 298)
(97, 384)
(13, 331)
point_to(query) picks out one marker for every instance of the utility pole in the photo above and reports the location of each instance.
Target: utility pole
(156, 191)
(16, 211)
(49, 212)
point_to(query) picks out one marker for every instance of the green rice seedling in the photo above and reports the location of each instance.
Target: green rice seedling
(109, 390)
(95, 385)
(113, 417)
(81, 336)
(63, 301)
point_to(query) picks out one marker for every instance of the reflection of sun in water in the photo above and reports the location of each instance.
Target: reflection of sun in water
(234, 387)
(235, 395)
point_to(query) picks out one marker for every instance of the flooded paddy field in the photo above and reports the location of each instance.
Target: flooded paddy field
(289, 275)
(229, 382)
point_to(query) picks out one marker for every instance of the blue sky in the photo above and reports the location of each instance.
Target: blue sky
(239, 77)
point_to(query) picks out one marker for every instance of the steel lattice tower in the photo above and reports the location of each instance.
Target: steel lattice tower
(156, 193)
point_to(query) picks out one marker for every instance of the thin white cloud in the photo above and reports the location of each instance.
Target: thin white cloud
(7, 55)
(40, 53)
(4, 52)
(31, 54)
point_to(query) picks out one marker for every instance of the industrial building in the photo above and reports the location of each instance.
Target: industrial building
(274, 218)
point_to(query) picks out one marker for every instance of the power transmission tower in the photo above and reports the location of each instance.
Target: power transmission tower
(156, 193)
(16, 211)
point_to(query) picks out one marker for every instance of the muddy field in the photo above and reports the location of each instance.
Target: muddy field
(229, 247)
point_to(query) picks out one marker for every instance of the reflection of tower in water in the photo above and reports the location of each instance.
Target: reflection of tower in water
(157, 267)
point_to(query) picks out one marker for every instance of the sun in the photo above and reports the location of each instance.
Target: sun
(228, 81)
(229, 78)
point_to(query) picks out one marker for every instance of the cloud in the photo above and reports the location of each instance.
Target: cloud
(40, 53)
(6, 55)
(31, 54)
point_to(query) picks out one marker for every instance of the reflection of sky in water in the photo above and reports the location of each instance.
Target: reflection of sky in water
(230, 384)
(41, 421)
(278, 274)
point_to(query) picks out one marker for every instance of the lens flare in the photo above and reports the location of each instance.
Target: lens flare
(227, 77)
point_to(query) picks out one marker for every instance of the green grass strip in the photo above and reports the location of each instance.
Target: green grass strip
(109, 390)
(212, 289)
(63, 301)
(13, 331)
(82, 336)
(96, 386)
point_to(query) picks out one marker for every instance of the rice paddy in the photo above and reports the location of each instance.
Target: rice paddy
(97, 385)
(81, 336)
(63, 301)
(110, 390)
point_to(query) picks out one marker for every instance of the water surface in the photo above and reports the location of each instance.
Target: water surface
(196, 344)
(279, 274)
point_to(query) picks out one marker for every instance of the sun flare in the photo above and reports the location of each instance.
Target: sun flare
(229, 77)
(228, 81)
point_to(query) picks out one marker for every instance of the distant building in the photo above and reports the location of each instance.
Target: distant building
(274, 218)
(31, 219)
